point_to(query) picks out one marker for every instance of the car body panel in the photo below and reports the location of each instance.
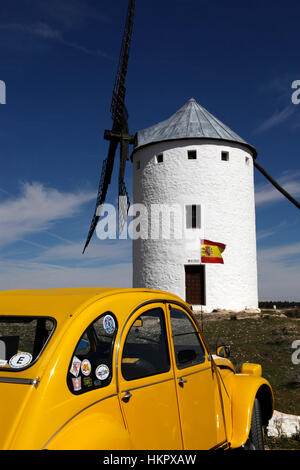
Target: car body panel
(197, 390)
(153, 403)
(105, 425)
(14, 397)
(243, 390)
(42, 412)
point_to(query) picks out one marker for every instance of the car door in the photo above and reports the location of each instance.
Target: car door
(146, 383)
(197, 385)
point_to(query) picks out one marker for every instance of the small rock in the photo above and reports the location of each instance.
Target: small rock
(283, 425)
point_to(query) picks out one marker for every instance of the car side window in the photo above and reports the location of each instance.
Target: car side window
(91, 362)
(187, 344)
(146, 349)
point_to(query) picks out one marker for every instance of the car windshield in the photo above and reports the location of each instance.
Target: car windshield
(22, 339)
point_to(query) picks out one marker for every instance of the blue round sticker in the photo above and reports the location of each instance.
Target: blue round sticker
(109, 324)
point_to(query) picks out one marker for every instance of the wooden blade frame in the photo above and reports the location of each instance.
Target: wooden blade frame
(119, 132)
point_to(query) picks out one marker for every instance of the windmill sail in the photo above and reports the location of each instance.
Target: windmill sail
(107, 167)
(119, 132)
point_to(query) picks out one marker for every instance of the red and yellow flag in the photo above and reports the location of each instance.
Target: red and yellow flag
(211, 252)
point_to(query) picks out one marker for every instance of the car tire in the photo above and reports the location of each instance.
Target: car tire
(256, 437)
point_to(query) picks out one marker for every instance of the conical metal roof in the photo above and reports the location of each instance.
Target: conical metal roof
(190, 121)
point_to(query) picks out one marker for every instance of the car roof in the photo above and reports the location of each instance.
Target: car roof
(60, 303)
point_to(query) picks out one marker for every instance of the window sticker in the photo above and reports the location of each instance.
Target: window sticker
(19, 360)
(102, 372)
(109, 324)
(87, 381)
(86, 367)
(75, 367)
(77, 384)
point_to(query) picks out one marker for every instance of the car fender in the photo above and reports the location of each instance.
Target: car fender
(95, 431)
(244, 389)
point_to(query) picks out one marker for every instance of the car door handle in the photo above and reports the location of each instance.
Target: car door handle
(127, 396)
(181, 381)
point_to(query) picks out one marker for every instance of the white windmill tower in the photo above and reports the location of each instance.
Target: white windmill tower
(194, 161)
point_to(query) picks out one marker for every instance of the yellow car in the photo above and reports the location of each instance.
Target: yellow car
(95, 368)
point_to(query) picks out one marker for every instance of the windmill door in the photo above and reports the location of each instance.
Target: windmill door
(195, 284)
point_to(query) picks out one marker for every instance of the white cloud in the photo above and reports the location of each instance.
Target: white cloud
(38, 29)
(106, 251)
(278, 272)
(72, 14)
(278, 253)
(261, 234)
(277, 118)
(28, 275)
(266, 193)
(44, 31)
(36, 210)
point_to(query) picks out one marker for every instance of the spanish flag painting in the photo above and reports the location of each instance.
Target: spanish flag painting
(211, 252)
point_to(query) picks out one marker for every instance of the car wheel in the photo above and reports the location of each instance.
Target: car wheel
(256, 438)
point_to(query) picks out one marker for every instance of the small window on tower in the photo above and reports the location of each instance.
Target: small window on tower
(247, 160)
(225, 156)
(193, 216)
(192, 154)
(160, 158)
(138, 165)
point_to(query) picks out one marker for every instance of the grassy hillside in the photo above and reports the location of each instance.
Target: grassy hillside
(265, 338)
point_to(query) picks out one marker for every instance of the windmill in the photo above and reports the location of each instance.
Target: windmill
(119, 134)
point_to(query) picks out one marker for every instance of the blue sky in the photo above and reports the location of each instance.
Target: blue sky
(58, 61)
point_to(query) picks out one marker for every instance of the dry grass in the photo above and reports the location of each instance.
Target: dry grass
(264, 338)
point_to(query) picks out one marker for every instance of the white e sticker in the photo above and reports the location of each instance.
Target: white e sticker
(19, 360)
(102, 372)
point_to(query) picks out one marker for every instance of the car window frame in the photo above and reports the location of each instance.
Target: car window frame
(174, 306)
(133, 317)
(115, 335)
